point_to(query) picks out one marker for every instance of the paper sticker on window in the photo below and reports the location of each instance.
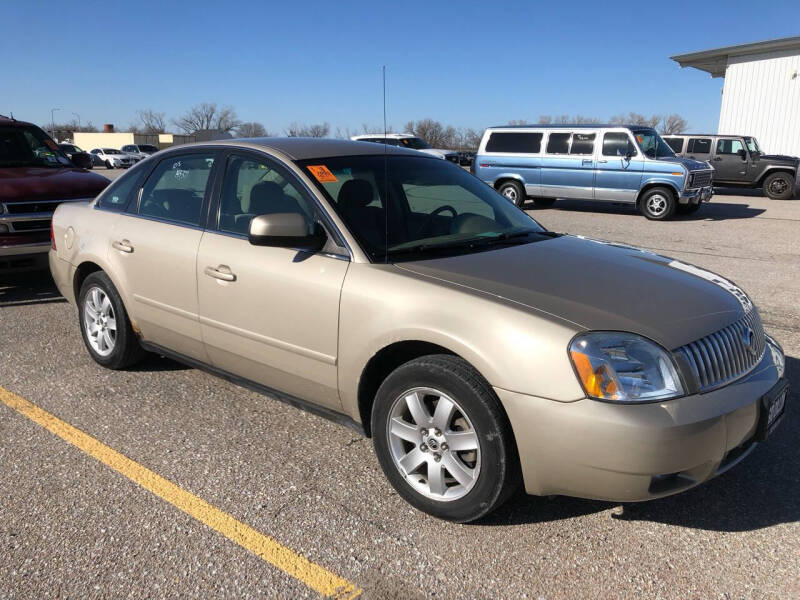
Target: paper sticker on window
(322, 173)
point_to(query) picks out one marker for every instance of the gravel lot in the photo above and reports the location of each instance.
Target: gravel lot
(71, 527)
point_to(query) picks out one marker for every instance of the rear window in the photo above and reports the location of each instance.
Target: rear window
(699, 146)
(514, 143)
(582, 143)
(675, 143)
(147, 148)
(558, 143)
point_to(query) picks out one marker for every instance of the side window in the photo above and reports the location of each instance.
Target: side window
(729, 146)
(514, 143)
(675, 143)
(618, 144)
(699, 146)
(254, 187)
(582, 143)
(558, 143)
(176, 188)
(119, 193)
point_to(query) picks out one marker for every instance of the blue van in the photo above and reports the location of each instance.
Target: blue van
(606, 163)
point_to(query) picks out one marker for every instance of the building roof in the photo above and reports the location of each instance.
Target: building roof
(715, 61)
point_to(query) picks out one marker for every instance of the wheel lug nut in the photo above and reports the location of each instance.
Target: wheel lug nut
(437, 458)
(445, 447)
(437, 432)
(423, 447)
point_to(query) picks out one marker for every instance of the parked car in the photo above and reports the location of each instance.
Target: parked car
(72, 150)
(407, 140)
(139, 151)
(479, 350)
(35, 177)
(604, 163)
(465, 159)
(738, 161)
(113, 158)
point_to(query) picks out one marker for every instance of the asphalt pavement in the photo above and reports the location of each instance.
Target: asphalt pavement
(71, 526)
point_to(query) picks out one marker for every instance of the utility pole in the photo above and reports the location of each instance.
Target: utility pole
(52, 123)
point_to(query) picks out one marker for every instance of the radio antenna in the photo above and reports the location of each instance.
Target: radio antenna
(385, 173)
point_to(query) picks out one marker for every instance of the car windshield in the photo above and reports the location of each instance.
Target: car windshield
(651, 144)
(147, 148)
(29, 147)
(752, 144)
(403, 208)
(414, 143)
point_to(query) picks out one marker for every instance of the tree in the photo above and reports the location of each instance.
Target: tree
(673, 123)
(251, 129)
(151, 121)
(207, 116)
(320, 130)
(433, 132)
(633, 118)
(545, 119)
(518, 122)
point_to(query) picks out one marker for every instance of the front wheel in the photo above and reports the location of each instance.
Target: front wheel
(108, 165)
(779, 186)
(658, 204)
(513, 191)
(105, 327)
(442, 439)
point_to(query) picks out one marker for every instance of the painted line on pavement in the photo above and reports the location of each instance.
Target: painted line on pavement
(287, 560)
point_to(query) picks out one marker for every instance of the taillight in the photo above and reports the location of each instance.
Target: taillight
(52, 237)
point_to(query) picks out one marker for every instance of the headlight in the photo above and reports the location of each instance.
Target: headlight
(624, 367)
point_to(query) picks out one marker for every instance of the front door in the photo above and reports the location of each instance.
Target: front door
(154, 251)
(730, 160)
(618, 176)
(269, 315)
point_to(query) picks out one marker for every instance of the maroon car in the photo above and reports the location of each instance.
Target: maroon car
(35, 177)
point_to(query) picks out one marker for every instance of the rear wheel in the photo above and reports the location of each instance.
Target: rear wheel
(442, 439)
(658, 204)
(779, 186)
(513, 191)
(105, 327)
(108, 165)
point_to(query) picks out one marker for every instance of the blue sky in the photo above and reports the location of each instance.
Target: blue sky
(470, 64)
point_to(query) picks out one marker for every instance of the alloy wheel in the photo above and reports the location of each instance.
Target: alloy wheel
(656, 205)
(434, 444)
(99, 321)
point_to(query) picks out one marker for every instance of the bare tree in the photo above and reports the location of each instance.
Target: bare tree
(433, 132)
(634, 118)
(545, 119)
(251, 129)
(320, 130)
(152, 121)
(518, 122)
(673, 123)
(207, 116)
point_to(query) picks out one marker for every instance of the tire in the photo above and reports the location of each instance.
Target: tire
(513, 191)
(544, 202)
(488, 467)
(688, 209)
(113, 346)
(108, 165)
(658, 204)
(779, 186)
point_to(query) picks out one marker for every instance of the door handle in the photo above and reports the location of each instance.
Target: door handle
(602, 161)
(122, 246)
(222, 272)
(586, 161)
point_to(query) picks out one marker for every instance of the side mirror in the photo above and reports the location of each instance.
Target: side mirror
(286, 230)
(82, 160)
(742, 154)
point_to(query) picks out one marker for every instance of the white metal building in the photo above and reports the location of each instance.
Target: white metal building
(761, 93)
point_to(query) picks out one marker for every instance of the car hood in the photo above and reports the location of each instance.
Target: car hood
(438, 151)
(49, 183)
(689, 163)
(789, 160)
(599, 286)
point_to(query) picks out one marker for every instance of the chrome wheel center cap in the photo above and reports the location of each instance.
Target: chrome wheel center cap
(433, 444)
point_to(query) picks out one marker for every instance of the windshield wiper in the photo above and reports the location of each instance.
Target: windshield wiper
(473, 243)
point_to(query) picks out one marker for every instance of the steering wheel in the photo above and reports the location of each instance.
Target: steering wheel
(429, 220)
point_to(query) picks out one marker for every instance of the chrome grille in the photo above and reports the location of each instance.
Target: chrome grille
(30, 215)
(701, 178)
(727, 354)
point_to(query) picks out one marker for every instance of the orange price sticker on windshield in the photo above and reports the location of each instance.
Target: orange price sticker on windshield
(322, 173)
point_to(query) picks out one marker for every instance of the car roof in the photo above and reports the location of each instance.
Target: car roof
(298, 148)
(704, 135)
(573, 126)
(393, 136)
(6, 121)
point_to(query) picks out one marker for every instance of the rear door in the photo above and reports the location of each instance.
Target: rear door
(270, 315)
(154, 251)
(699, 148)
(618, 176)
(730, 159)
(568, 164)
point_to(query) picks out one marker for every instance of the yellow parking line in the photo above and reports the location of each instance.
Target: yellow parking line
(311, 574)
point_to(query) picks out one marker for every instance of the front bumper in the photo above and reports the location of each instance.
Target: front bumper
(629, 453)
(696, 195)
